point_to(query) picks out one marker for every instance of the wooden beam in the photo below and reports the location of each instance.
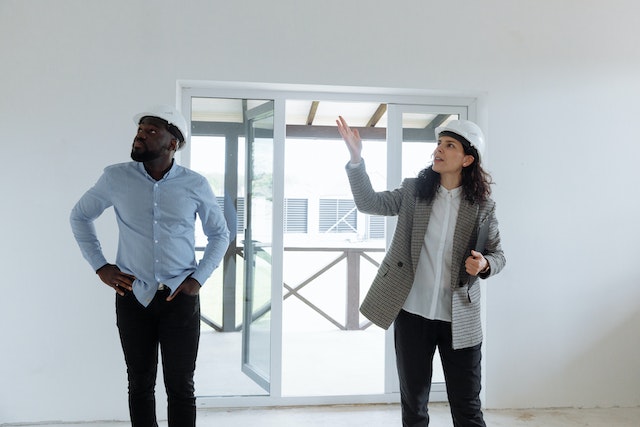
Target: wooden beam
(437, 121)
(382, 108)
(312, 112)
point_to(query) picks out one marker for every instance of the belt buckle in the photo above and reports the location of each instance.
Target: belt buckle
(162, 287)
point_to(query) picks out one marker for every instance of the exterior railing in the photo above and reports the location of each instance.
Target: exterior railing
(353, 257)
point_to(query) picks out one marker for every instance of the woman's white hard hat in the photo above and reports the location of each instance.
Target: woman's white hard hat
(466, 129)
(168, 113)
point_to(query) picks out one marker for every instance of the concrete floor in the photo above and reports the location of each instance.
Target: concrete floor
(219, 374)
(389, 415)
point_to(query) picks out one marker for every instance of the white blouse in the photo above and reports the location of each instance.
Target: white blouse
(430, 295)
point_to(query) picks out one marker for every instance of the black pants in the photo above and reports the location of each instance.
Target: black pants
(416, 339)
(174, 327)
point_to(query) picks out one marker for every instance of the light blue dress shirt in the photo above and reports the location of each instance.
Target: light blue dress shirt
(157, 221)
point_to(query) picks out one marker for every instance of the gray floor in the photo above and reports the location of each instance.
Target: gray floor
(389, 415)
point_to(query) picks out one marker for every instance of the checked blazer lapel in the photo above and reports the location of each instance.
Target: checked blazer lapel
(421, 215)
(462, 237)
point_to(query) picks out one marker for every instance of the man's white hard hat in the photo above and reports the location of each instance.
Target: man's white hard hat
(466, 129)
(168, 113)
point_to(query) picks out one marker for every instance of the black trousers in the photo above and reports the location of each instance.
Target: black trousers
(174, 327)
(416, 339)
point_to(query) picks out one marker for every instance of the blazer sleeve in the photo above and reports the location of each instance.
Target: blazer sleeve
(369, 201)
(493, 249)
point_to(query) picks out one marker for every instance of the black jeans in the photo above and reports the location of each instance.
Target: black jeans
(173, 326)
(416, 339)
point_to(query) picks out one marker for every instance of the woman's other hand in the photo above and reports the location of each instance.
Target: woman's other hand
(476, 264)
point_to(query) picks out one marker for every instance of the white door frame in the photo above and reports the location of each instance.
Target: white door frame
(399, 100)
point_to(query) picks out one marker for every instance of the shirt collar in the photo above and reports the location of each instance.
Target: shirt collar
(172, 170)
(170, 173)
(456, 192)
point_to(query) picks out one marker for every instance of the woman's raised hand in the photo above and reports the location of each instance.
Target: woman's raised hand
(351, 138)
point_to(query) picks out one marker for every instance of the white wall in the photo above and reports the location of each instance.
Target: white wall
(563, 319)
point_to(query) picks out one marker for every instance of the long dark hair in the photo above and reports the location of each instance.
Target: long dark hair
(476, 182)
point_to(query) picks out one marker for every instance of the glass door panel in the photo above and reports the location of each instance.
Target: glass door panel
(256, 333)
(217, 151)
(330, 259)
(411, 145)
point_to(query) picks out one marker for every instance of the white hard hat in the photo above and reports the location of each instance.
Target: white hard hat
(468, 130)
(168, 113)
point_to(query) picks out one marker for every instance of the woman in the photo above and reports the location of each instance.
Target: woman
(427, 284)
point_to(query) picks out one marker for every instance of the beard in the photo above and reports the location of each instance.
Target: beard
(143, 155)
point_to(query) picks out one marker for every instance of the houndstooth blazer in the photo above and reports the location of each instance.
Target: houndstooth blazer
(394, 279)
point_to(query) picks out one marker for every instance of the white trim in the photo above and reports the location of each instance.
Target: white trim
(277, 247)
(438, 394)
(253, 90)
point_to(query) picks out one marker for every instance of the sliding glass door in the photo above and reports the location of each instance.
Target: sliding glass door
(283, 318)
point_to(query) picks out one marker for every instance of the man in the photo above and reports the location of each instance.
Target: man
(156, 277)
